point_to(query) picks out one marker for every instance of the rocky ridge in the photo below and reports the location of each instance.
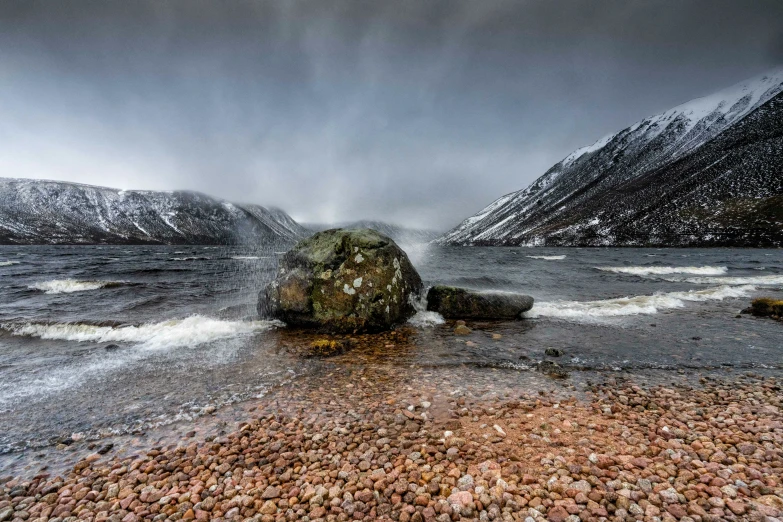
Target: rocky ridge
(705, 173)
(52, 212)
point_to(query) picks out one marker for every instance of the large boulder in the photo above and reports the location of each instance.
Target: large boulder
(343, 281)
(461, 303)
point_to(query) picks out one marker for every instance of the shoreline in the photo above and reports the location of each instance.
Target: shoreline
(376, 445)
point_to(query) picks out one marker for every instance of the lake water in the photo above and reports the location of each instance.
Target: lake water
(97, 341)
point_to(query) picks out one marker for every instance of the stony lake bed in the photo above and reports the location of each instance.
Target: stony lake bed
(670, 407)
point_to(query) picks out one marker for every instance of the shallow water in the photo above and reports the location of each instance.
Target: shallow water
(104, 340)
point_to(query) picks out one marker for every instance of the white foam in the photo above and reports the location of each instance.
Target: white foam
(248, 257)
(634, 305)
(67, 286)
(547, 258)
(195, 258)
(750, 280)
(8, 263)
(191, 331)
(664, 270)
(148, 340)
(425, 318)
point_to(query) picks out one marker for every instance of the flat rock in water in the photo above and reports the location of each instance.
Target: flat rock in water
(452, 303)
(343, 281)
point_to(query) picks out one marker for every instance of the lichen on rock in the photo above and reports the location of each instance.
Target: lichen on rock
(343, 281)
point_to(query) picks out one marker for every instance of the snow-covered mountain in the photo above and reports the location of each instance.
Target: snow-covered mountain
(708, 172)
(53, 212)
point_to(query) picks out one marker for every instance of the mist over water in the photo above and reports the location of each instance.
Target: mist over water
(101, 340)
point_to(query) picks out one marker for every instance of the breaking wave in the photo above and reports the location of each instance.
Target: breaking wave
(249, 257)
(8, 263)
(67, 286)
(547, 258)
(665, 270)
(191, 331)
(635, 305)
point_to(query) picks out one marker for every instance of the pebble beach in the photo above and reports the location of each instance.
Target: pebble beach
(664, 405)
(381, 446)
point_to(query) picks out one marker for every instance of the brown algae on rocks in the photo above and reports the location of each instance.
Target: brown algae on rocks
(766, 307)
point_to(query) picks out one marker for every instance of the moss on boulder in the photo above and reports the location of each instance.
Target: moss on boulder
(454, 303)
(343, 281)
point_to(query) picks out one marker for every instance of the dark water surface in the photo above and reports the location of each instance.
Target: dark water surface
(97, 341)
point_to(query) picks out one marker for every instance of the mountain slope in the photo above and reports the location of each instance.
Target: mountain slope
(706, 173)
(51, 212)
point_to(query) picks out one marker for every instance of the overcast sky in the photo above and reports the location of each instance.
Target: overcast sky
(415, 112)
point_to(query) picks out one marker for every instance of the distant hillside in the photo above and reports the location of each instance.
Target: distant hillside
(397, 233)
(706, 173)
(52, 212)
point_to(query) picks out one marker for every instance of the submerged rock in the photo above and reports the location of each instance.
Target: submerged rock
(552, 369)
(461, 329)
(343, 281)
(452, 302)
(327, 347)
(766, 307)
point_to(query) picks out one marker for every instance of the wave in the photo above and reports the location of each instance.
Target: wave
(8, 263)
(67, 286)
(194, 258)
(146, 341)
(665, 270)
(750, 280)
(635, 305)
(191, 331)
(249, 257)
(547, 258)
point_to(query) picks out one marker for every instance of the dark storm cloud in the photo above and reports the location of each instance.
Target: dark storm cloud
(415, 112)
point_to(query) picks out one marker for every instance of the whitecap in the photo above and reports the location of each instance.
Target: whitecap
(146, 340)
(194, 258)
(8, 263)
(547, 258)
(193, 330)
(634, 305)
(248, 257)
(67, 286)
(664, 270)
